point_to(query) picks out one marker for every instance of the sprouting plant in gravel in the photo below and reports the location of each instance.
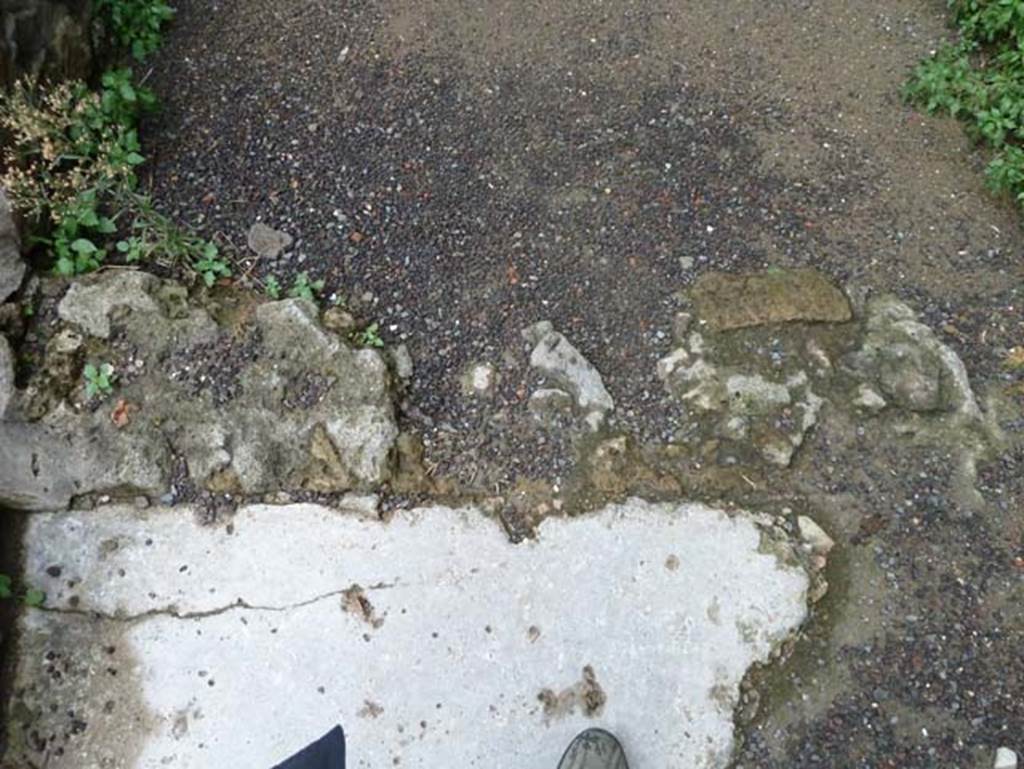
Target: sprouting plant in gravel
(369, 336)
(31, 597)
(210, 266)
(304, 288)
(99, 380)
(156, 240)
(980, 80)
(152, 238)
(135, 24)
(272, 287)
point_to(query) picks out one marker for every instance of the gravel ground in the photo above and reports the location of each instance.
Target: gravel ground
(458, 170)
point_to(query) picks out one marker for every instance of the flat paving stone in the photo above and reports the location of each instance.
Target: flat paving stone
(729, 302)
(431, 638)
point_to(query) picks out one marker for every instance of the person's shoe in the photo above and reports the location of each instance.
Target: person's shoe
(594, 749)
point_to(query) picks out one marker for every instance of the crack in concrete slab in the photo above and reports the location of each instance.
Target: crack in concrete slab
(173, 613)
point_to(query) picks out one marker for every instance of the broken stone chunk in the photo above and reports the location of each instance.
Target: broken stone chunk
(479, 380)
(681, 325)
(266, 242)
(339, 321)
(401, 362)
(815, 536)
(755, 394)
(910, 376)
(698, 385)
(728, 302)
(868, 399)
(556, 357)
(907, 362)
(305, 410)
(91, 302)
(773, 418)
(1005, 759)
(548, 404)
(42, 466)
(672, 361)
(775, 447)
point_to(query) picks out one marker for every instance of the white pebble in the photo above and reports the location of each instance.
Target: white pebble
(1005, 759)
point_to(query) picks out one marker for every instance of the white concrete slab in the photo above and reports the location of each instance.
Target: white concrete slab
(244, 644)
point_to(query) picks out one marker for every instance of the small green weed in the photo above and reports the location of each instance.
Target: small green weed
(272, 287)
(99, 380)
(31, 597)
(135, 24)
(369, 336)
(210, 266)
(152, 238)
(303, 288)
(75, 237)
(980, 80)
(122, 100)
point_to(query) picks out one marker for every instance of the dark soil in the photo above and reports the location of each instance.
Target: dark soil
(10, 564)
(457, 171)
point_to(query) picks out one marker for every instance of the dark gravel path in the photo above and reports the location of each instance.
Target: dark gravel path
(458, 170)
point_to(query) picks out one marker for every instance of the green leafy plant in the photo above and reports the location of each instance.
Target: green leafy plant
(99, 380)
(70, 152)
(303, 288)
(980, 80)
(135, 24)
(122, 100)
(31, 597)
(369, 336)
(272, 287)
(74, 240)
(65, 141)
(71, 159)
(210, 266)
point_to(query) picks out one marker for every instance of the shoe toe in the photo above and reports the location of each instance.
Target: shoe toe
(594, 749)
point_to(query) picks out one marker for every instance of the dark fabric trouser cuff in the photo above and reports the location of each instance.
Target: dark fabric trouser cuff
(326, 753)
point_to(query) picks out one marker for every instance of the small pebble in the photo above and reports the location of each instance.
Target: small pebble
(1005, 759)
